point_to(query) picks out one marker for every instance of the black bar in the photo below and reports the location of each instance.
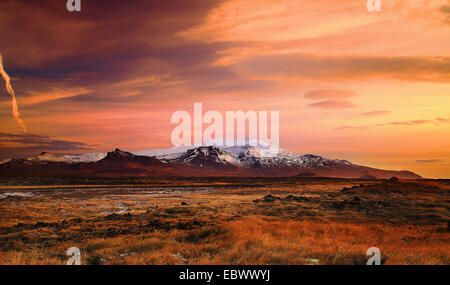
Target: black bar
(172, 273)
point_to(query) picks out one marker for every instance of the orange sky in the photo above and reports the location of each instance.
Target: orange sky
(372, 88)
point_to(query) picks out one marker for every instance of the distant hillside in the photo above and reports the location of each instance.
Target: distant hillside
(240, 161)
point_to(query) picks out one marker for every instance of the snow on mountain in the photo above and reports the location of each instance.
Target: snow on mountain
(257, 149)
(44, 156)
(87, 157)
(247, 153)
(254, 156)
(261, 151)
(165, 153)
(5, 161)
(246, 160)
(207, 156)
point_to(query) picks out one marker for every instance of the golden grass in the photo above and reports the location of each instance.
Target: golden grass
(223, 226)
(256, 241)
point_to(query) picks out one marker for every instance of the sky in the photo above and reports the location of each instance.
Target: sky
(369, 87)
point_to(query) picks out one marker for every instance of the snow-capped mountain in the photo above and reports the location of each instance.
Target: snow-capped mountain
(258, 156)
(5, 160)
(87, 157)
(165, 153)
(212, 160)
(206, 156)
(257, 148)
(68, 158)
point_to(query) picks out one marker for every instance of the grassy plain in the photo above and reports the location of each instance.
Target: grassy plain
(226, 221)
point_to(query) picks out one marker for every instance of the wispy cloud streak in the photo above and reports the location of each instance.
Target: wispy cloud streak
(15, 108)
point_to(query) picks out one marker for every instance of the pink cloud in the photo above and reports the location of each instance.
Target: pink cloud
(410, 123)
(333, 104)
(351, 128)
(374, 113)
(329, 94)
(399, 123)
(442, 120)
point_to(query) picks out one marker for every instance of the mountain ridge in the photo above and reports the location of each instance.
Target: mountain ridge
(199, 161)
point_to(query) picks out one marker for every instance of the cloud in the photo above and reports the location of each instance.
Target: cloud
(420, 122)
(142, 52)
(423, 68)
(374, 113)
(409, 123)
(429, 160)
(351, 128)
(10, 90)
(403, 123)
(333, 104)
(263, 27)
(53, 94)
(445, 9)
(443, 120)
(329, 94)
(13, 144)
(331, 98)
(268, 20)
(143, 81)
